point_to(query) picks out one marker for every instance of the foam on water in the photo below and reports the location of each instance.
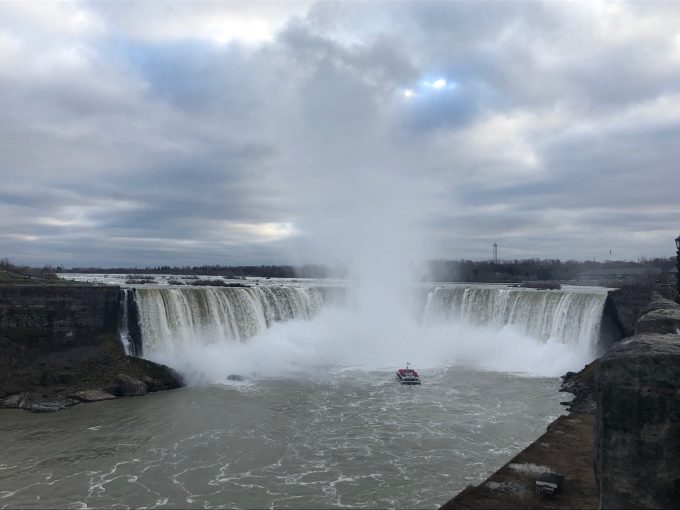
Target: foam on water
(356, 439)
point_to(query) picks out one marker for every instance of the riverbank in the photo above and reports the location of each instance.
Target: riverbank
(566, 448)
(622, 427)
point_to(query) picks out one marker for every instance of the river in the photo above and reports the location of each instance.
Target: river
(344, 438)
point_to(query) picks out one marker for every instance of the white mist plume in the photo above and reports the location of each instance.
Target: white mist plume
(341, 338)
(357, 204)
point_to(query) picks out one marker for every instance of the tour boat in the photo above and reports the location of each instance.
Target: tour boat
(407, 376)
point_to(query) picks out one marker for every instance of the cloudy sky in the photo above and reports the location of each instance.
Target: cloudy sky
(143, 133)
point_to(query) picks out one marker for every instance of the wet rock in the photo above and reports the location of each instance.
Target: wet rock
(625, 305)
(13, 401)
(35, 404)
(235, 377)
(92, 395)
(128, 386)
(582, 386)
(638, 417)
(45, 407)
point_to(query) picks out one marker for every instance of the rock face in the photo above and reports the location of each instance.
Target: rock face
(611, 328)
(59, 346)
(128, 386)
(660, 316)
(658, 302)
(638, 423)
(659, 321)
(625, 305)
(91, 395)
(62, 314)
(582, 386)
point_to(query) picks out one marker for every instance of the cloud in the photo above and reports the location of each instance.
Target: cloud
(155, 132)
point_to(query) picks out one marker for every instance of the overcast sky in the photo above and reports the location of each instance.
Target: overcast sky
(144, 133)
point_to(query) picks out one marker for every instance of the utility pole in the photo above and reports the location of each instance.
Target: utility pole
(495, 253)
(677, 275)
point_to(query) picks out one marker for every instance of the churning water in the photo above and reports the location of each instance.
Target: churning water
(349, 438)
(318, 420)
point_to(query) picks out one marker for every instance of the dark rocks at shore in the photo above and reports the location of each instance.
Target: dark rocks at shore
(39, 376)
(127, 386)
(638, 423)
(91, 395)
(60, 347)
(582, 386)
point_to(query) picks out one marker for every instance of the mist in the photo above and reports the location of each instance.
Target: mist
(341, 339)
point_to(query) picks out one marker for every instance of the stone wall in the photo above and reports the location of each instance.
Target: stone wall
(64, 314)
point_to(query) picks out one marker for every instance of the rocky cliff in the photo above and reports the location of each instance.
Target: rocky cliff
(60, 346)
(661, 315)
(638, 423)
(624, 307)
(65, 315)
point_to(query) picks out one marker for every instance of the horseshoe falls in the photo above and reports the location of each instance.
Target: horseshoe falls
(570, 317)
(315, 418)
(277, 329)
(204, 315)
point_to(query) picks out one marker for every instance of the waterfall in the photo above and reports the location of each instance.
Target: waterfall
(207, 330)
(185, 317)
(570, 317)
(124, 322)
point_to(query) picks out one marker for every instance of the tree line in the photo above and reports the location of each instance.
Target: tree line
(442, 270)
(534, 269)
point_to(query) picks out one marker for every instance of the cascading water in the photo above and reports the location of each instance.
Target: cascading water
(571, 317)
(124, 329)
(279, 329)
(181, 318)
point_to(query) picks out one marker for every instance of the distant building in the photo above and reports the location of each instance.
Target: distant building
(620, 275)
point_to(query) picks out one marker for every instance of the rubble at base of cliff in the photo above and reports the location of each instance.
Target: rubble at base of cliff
(41, 380)
(582, 386)
(61, 347)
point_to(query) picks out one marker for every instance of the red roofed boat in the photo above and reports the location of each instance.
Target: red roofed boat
(408, 376)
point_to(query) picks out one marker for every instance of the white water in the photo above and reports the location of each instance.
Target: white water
(190, 317)
(271, 331)
(124, 331)
(569, 317)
